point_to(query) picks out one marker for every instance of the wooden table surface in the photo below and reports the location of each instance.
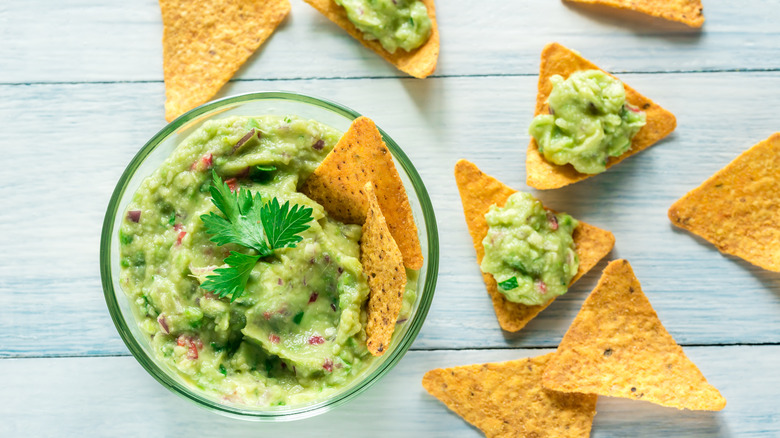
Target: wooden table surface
(81, 91)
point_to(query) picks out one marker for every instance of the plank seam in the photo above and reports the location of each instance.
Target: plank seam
(531, 347)
(336, 78)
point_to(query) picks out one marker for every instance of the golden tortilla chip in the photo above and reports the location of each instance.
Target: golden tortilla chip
(618, 347)
(738, 208)
(477, 193)
(204, 43)
(384, 269)
(420, 62)
(359, 157)
(688, 12)
(558, 60)
(507, 400)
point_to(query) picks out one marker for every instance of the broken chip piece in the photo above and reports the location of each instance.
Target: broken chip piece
(204, 44)
(689, 12)
(478, 192)
(338, 184)
(738, 208)
(420, 62)
(618, 347)
(383, 265)
(507, 399)
(558, 60)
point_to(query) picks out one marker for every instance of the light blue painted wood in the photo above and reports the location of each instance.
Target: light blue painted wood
(81, 92)
(115, 397)
(94, 40)
(702, 296)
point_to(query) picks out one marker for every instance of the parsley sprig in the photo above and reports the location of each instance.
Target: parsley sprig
(246, 221)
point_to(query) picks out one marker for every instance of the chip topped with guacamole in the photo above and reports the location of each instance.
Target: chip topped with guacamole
(394, 23)
(396, 30)
(246, 287)
(588, 121)
(529, 250)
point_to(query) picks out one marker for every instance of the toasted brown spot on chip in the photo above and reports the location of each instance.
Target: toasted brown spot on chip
(383, 264)
(644, 357)
(689, 12)
(420, 62)
(750, 228)
(204, 43)
(478, 192)
(340, 180)
(558, 60)
(507, 399)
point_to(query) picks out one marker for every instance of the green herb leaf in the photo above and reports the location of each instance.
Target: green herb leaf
(248, 223)
(508, 284)
(231, 280)
(241, 222)
(283, 223)
(262, 173)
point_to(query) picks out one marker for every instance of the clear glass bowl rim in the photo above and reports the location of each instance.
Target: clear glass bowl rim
(271, 414)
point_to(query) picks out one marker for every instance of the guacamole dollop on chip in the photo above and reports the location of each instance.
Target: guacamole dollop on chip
(394, 23)
(589, 121)
(478, 192)
(529, 250)
(556, 59)
(420, 62)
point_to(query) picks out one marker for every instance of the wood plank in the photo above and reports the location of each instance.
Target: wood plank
(65, 157)
(112, 395)
(93, 40)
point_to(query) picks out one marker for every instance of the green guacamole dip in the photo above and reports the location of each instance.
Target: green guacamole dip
(589, 121)
(395, 23)
(529, 250)
(297, 333)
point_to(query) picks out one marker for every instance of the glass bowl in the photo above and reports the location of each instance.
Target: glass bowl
(156, 150)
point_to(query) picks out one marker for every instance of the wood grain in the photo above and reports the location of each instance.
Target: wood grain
(113, 396)
(96, 40)
(81, 91)
(83, 140)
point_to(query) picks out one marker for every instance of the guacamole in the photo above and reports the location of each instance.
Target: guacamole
(529, 250)
(297, 332)
(589, 121)
(395, 23)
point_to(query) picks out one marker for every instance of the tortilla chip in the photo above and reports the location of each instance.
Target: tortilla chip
(359, 157)
(618, 347)
(384, 269)
(559, 60)
(420, 62)
(507, 399)
(688, 12)
(477, 193)
(738, 208)
(204, 43)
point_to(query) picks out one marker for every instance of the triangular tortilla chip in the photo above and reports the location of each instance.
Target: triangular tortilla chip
(558, 60)
(359, 157)
(507, 399)
(477, 193)
(738, 208)
(688, 12)
(420, 62)
(204, 43)
(618, 347)
(384, 268)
